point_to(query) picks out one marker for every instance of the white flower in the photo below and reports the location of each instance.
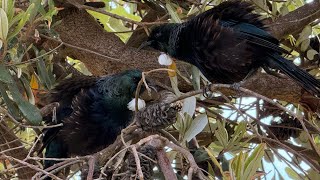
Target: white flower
(164, 59)
(132, 104)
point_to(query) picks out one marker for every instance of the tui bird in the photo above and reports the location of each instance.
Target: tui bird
(228, 43)
(93, 111)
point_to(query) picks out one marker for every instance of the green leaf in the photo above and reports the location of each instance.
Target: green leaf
(174, 85)
(292, 174)
(237, 135)
(222, 134)
(22, 22)
(5, 75)
(197, 125)
(189, 105)
(12, 108)
(4, 26)
(215, 161)
(311, 53)
(28, 89)
(10, 10)
(34, 12)
(174, 16)
(195, 77)
(43, 73)
(253, 162)
(305, 44)
(4, 5)
(16, 19)
(305, 33)
(29, 111)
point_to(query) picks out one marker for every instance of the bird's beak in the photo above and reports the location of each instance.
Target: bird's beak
(145, 44)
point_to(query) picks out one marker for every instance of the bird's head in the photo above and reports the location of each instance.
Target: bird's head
(159, 38)
(123, 84)
(128, 82)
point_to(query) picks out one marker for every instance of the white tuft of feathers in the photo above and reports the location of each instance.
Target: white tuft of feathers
(132, 104)
(164, 59)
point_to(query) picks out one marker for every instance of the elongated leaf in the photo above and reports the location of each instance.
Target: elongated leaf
(306, 32)
(4, 5)
(292, 174)
(22, 22)
(30, 112)
(28, 90)
(5, 75)
(215, 161)
(10, 10)
(13, 110)
(4, 25)
(34, 12)
(16, 19)
(189, 105)
(43, 73)
(305, 44)
(197, 125)
(253, 162)
(195, 77)
(222, 134)
(173, 14)
(238, 134)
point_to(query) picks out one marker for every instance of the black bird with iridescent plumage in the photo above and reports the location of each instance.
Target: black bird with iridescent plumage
(228, 43)
(93, 111)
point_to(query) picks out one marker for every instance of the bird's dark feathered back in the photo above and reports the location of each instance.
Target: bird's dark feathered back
(93, 111)
(236, 10)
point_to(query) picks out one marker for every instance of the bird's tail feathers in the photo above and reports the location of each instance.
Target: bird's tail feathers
(307, 81)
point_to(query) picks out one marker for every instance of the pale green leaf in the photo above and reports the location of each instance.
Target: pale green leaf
(5, 75)
(4, 25)
(311, 53)
(189, 105)
(305, 44)
(10, 10)
(291, 173)
(4, 5)
(197, 125)
(195, 77)
(22, 22)
(215, 161)
(12, 108)
(174, 85)
(253, 162)
(222, 134)
(174, 16)
(305, 33)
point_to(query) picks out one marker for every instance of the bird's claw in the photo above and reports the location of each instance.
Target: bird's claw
(236, 87)
(207, 92)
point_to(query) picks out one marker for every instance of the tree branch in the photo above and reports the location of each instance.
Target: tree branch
(80, 29)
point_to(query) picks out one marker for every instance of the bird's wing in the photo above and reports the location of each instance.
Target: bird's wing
(257, 36)
(218, 52)
(70, 87)
(238, 16)
(236, 10)
(66, 94)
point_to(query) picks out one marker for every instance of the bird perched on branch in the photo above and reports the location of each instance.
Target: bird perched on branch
(228, 43)
(93, 111)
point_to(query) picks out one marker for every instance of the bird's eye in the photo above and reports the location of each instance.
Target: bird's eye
(136, 79)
